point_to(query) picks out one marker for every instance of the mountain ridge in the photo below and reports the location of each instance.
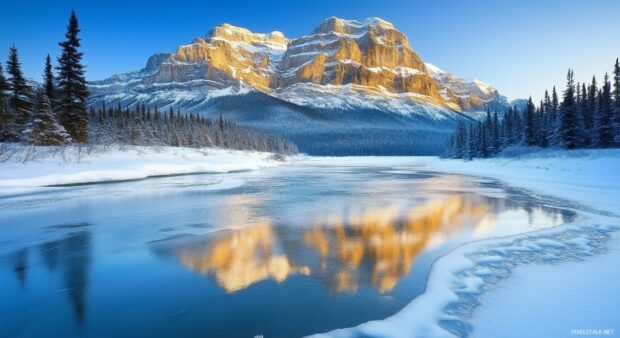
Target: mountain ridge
(365, 59)
(348, 88)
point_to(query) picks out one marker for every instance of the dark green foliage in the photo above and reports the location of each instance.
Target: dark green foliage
(137, 126)
(529, 131)
(72, 89)
(43, 129)
(604, 117)
(48, 80)
(7, 117)
(20, 99)
(586, 117)
(570, 124)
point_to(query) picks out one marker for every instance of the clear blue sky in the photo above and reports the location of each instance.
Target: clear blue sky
(520, 47)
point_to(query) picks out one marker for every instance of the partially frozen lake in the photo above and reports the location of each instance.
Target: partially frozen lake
(281, 252)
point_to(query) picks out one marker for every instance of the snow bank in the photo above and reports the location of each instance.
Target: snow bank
(131, 164)
(589, 177)
(459, 281)
(582, 308)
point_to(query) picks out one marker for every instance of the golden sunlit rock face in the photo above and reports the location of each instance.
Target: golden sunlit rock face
(375, 247)
(241, 258)
(370, 56)
(389, 242)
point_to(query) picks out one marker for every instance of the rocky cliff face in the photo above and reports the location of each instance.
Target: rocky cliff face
(342, 64)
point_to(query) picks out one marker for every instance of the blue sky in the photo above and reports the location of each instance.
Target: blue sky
(520, 47)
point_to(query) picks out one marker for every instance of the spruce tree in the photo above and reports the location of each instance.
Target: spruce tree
(20, 101)
(529, 129)
(569, 121)
(554, 135)
(48, 80)
(44, 130)
(72, 90)
(7, 119)
(497, 144)
(604, 121)
(616, 96)
(586, 115)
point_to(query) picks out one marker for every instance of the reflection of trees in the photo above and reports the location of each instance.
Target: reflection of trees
(20, 266)
(72, 255)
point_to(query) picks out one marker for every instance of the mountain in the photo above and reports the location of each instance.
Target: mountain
(338, 88)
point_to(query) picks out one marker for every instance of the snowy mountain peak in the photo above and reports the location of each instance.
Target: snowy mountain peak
(344, 63)
(238, 34)
(343, 26)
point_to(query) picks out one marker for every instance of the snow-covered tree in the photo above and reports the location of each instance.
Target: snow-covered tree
(48, 81)
(20, 100)
(570, 125)
(616, 96)
(43, 129)
(529, 126)
(7, 117)
(72, 90)
(604, 117)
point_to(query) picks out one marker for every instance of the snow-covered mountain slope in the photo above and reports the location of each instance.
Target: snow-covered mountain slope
(346, 69)
(349, 63)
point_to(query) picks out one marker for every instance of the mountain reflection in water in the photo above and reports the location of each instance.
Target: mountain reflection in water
(373, 247)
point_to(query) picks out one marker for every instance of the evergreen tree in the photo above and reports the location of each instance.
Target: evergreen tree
(589, 123)
(554, 117)
(471, 144)
(604, 125)
(48, 80)
(529, 129)
(569, 122)
(20, 100)
(44, 130)
(586, 114)
(497, 147)
(7, 118)
(617, 102)
(72, 90)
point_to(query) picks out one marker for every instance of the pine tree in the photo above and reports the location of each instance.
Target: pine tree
(48, 80)
(44, 130)
(72, 90)
(554, 118)
(471, 144)
(20, 101)
(7, 118)
(529, 130)
(587, 115)
(604, 121)
(497, 144)
(569, 123)
(617, 102)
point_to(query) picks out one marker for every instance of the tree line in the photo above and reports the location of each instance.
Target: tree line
(588, 116)
(56, 113)
(140, 125)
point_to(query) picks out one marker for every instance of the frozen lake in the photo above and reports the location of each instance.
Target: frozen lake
(281, 252)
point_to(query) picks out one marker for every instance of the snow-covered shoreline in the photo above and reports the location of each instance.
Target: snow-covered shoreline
(132, 163)
(455, 302)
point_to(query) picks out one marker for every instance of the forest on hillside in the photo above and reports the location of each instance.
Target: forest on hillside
(55, 113)
(588, 116)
